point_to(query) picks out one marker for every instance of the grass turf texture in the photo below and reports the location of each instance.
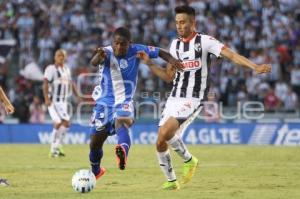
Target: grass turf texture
(224, 172)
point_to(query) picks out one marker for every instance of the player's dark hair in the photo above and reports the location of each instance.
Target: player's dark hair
(185, 9)
(123, 32)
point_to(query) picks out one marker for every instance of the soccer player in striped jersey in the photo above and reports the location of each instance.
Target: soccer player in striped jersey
(56, 89)
(190, 89)
(114, 111)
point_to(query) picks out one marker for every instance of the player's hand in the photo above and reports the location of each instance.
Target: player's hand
(99, 56)
(47, 102)
(177, 64)
(79, 100)
(143, 56)
(263, 68)
(9, 109)
(101, 53)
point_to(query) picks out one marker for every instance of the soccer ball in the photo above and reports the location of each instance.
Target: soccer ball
(83, 181)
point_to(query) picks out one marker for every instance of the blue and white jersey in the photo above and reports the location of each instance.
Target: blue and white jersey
(119, 75)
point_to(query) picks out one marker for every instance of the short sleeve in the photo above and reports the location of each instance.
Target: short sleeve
(150, 50)
(48, 75)
(109, 53)
(212, 45)
(70, 73)
(172, 49)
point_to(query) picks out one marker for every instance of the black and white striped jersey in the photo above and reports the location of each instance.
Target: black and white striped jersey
(59, 82)
(195, 53)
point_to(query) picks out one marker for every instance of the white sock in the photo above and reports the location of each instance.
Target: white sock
(54, 140)
(62, 133)
(179, 147)
(165, 163)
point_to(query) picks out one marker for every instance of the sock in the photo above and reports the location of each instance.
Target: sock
(180, 148)
(62, 134)
(95, 160)
(54, 140)
(124, 138)
(165, 163)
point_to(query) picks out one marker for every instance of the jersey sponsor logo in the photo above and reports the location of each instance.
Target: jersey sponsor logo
(123, 63)
(126, 107)
(191, 65)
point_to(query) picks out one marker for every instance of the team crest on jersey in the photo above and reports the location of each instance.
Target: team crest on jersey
(126, 107)
(151, 48)
(197, 47)
(123, 63)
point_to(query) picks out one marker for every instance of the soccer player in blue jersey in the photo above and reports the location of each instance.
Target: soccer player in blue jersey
(114, 111)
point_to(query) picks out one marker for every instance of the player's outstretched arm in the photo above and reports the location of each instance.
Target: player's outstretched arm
(46, 92)
(98, 57)
(165, 74)
(9, 108)
(170, 59)
(243, 61)
(75, 91)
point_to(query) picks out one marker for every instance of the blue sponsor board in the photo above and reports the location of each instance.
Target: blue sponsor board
(146, 133)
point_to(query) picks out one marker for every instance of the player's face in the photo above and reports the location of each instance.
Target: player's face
(59, 57)
(185, 25)
(120, 45)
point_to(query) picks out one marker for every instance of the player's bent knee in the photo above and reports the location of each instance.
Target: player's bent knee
(127, 122)
(95, 143)
(67, 124)
(57, 125)
(98, 139)
(161, 145)
(163, 132)
(167, 131)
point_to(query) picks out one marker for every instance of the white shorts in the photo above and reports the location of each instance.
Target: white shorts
(186, 109)
(58, 112)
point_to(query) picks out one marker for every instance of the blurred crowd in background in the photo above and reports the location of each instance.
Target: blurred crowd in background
(265, 31)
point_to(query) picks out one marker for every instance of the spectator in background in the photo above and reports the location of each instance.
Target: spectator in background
(78, 20)
(3, 75)
(211, 108)
(295, 79)
(37, 111)
(242, 94)
(281, 89)
(271, 101)
(22, 108)
(290, 100)
(46, 46)
(249, 27)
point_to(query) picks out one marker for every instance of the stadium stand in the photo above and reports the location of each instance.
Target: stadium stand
(265, 31)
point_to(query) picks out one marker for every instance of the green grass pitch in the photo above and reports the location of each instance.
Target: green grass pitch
(224, 172)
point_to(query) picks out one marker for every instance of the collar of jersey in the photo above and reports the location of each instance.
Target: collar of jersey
(189, 38)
